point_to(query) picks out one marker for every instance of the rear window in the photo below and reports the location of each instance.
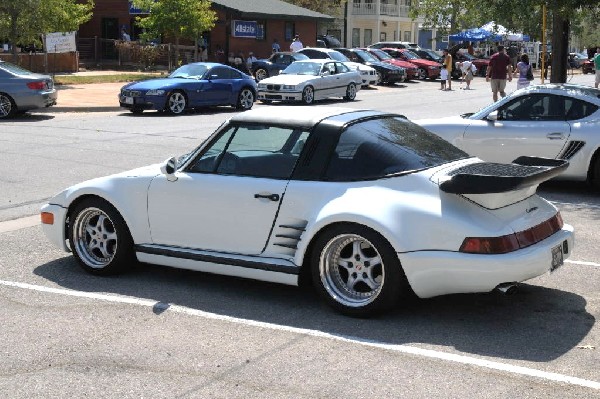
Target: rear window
(387, 146)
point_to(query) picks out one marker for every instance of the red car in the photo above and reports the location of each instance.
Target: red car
(480, 63)
(427, 69)
(587, 66)
(412, 71)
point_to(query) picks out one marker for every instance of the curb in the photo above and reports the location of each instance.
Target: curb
(100, 108)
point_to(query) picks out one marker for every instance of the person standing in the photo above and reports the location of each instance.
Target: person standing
(249, 61)
(597, 67)
(443, 77)
(448, 63)
(275, 46)
(498, 71)
(125, 36)
(522, 67)
(296, 44)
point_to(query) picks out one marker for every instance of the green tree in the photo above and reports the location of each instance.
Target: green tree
(23, 22)
(177, 19)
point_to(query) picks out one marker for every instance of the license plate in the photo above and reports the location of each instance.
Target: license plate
(128, 100)
(557, 257)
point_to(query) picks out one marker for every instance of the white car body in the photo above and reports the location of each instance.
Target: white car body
(290, 84)
(570, 134)
(368, 74)
(265, 228)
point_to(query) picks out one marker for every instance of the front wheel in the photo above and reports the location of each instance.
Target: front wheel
(7, 106)
(99, 238)
(261, 74)
(594, 179)
(176, 103)
(357, 271)
(308, 95)
(422, 73)
(245, 99)
(350, 92)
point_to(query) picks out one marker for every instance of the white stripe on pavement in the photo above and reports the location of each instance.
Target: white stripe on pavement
(17, 224)
(580, 262)
(397, 348)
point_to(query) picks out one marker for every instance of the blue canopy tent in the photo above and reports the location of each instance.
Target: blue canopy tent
(474, 35)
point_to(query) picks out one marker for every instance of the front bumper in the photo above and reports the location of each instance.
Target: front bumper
(433, 273)
(279, 95)
(56, 232)
(142, 102)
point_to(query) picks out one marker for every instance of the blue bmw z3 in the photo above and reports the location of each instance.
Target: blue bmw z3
(191, 86)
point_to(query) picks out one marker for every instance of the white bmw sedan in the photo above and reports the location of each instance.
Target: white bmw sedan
(369, 206)
(558, 121)
(311, 80)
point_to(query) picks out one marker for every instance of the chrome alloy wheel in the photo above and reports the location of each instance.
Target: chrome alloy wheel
(351, 270)
(308, 95)
(176, 104)
(94, 238)
(246, 99)
(6, 106)
(261, 74)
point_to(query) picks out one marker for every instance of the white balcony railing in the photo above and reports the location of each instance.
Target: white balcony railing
(392, 10)
(363, 9)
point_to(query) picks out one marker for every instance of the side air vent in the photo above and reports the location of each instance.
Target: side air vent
(288, 235)
(572, 148)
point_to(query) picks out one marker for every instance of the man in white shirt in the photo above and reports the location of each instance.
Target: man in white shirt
(296, 44)
(251, 58)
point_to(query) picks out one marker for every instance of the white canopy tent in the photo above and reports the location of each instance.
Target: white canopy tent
(502, 31)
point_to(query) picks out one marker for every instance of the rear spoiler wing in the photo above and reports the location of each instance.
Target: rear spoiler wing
(487, 178)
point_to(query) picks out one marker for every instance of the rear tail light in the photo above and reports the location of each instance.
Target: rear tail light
(36, 85)
(512, 242)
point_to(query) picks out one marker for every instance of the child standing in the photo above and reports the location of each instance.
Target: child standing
(443, 76)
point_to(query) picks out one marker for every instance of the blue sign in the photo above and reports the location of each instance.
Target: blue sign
(244, 29)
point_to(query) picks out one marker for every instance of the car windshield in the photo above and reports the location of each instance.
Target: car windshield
(433, 54)
(382, 54)
(189, 71)
(410, 55)
(388, 146)
(366, 56)
(336, 55)
(12, 68)
(303, 68)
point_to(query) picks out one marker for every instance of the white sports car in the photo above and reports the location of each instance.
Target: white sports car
(551, 121)
(368, 205)
(310, 80)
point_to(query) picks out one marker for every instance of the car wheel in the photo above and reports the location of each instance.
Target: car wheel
(261, 74)
(7, 106)
(308, 95)
(422, 73)
(357, 271)
(176, 103)
(245, 99)
(379, 79)
(350, 92)
(594, 179)
(99, 238)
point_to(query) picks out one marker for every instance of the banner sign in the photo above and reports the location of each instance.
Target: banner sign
(244, 29)
(60, 42)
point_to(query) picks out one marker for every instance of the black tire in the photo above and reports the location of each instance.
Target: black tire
(308, 95)
(356, 271)
(350, 92)
(99, 238)
(595, 173)
(176, 103)
(261, 74)
(245, 99)
(423, 73)
(8, 108)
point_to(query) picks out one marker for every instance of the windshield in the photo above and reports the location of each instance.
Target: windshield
(303, 68)
(17, 70)
(190, 71)
(410, 55)
(366, 56)
(336, 55)
(382, 54)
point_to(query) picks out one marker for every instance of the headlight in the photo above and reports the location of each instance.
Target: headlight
(155, 92)
(262, 85)
(289, 87)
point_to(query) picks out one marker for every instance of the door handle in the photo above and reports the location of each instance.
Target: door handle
(272, 197)
(555, 136)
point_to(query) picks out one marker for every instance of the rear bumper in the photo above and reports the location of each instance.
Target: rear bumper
(433, 273)
(37, 99)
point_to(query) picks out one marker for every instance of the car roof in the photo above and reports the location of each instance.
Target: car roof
(583, 92)
(291, 115)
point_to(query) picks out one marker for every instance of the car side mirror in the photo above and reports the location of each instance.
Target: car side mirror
(492, 116)
(168, 168)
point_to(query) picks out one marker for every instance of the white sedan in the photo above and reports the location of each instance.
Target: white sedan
(552, 121)
(360, 202)
(311, 80)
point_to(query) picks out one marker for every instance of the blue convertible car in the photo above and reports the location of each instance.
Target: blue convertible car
(191, 86)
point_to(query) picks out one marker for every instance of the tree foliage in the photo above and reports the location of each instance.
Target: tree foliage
(332, 7)
(23, 22)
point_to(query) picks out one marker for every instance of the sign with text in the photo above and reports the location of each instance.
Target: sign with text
(60, 42)
(244, 29)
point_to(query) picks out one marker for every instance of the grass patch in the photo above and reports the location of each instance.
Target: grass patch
(116, 78)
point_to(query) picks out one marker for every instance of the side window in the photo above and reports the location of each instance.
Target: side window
(578, 109)
(220, 73)
(534, 107)
(330, 68)
(312, 54)
(285, 59)
(253, 150)
(341, 68)
(234, 74)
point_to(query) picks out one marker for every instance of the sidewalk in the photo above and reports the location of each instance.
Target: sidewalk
(93, 97)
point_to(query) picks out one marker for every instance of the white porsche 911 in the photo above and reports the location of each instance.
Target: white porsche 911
(560, 121)
(368, 205)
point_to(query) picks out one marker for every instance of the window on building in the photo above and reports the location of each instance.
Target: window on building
(382, 36)
(290, 31)
(395, 35)
(260, 30)
(368, 37)
(407, 36)
(355, 37)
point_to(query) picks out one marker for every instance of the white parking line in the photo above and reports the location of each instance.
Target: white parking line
(17, 224)
(315, 333)
(579, 262)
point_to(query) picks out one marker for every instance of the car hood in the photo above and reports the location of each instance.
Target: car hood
(401, 63)
(382, 65)
(424, 62)
(288, 79)
(163, 83)
(356, 65)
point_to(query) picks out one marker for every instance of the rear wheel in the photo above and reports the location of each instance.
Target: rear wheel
(595, 173)
(7, 106)
(422, 73)
(357, 271)
(350, 92)
(176, 103)
(245, 99)
(261, 74)
(308, 95)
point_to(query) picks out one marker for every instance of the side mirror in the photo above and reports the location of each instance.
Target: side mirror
(168, 168)
(492, 116)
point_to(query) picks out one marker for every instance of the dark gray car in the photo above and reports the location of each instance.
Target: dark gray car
(22, 90)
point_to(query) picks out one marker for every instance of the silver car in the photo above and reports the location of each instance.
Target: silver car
(22, 90)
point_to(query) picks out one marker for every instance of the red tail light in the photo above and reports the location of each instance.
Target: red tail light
(36, 85)
(512, 242)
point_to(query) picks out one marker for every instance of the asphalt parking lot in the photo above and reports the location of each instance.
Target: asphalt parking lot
(167, 333)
